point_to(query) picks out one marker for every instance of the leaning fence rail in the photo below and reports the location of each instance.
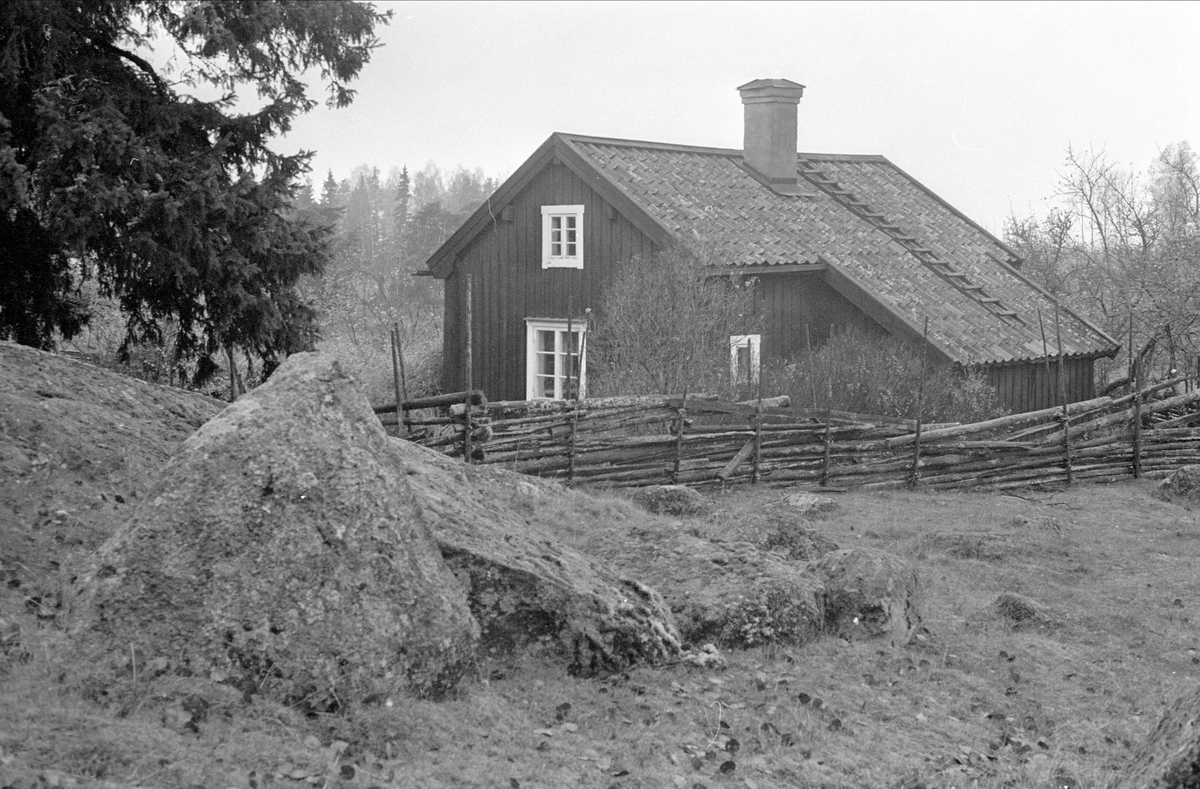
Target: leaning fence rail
(700, 441)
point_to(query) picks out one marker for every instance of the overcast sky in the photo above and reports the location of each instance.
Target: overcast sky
(978, 101)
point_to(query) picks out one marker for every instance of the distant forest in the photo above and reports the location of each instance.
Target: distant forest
(385, 230)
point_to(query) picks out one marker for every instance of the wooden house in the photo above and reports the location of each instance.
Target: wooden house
(833, 241)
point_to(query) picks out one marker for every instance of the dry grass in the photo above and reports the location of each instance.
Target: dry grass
(979, 701)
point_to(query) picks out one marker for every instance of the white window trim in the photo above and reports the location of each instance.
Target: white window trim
(562, 261)
(559, 326)
(736, 343)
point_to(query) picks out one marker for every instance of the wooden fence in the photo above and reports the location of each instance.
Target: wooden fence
(636, 441)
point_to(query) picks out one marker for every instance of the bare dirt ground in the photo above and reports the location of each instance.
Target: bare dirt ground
(1059, 698)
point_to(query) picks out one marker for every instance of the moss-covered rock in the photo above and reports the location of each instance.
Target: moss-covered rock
(869, 592)
(730, 593)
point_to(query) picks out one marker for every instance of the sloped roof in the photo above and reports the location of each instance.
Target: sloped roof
(885, 241)
(865, 217)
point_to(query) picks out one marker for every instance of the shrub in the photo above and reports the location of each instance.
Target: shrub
(665, 325)
(367, 355)
(867, 374)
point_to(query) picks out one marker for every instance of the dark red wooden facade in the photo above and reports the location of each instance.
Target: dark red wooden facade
(1026, 386)
(793, 304)
(503, 257)
(509, 284)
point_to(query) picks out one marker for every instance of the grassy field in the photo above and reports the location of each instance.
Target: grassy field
(983, 698)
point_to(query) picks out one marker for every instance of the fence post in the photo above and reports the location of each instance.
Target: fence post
(825, 461)
(682, 414)
(1137, 419)
(401, 396)
(467, 362)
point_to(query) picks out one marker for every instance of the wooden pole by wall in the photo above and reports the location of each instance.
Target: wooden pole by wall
(467, 362)
(572, 386)
(915, 476)
(758, 425)
(1062, 399)
(812, 379)
(1046, 358)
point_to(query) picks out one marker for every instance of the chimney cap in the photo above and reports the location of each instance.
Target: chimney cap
(771, 89)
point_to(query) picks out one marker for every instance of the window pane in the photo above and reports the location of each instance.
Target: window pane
(555, 363)
(744, 369)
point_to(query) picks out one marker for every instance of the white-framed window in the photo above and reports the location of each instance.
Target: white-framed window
(744, 358)
(562, 236)
(554, 359)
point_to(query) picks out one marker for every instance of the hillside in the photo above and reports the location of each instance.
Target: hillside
(1095, 632)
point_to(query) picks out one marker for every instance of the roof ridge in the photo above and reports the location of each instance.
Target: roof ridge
(713, 150)
(925, 256)
(665, 146)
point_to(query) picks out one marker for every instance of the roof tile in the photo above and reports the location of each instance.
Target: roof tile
(707, 192)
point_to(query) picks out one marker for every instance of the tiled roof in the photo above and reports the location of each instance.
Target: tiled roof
(864, 216)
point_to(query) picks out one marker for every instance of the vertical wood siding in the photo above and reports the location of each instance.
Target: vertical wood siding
(1028, 386)
(788, 303)
(509, 284)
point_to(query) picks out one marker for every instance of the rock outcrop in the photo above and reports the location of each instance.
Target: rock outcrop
(523, 585)
(730, 593)
(280, 546)
(1170, 757)
(871, 593)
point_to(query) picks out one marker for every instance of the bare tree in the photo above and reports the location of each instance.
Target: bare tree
(1124, 248)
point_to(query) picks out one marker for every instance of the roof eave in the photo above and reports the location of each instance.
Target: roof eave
(1105, 353)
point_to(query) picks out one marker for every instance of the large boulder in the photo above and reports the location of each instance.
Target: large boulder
(870, 593)
(1183, 484)
(524, 586)
(1170, 757)
(730, 593)
(281, 547)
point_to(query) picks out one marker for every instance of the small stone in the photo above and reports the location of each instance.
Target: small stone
(671, 500)
(810, 505)
(1019, 609)
(1183, 485)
